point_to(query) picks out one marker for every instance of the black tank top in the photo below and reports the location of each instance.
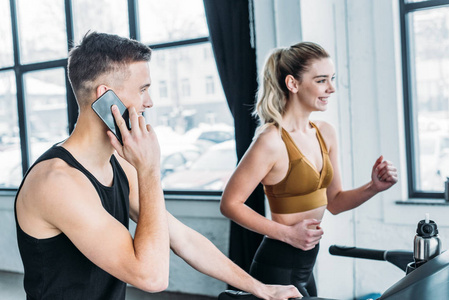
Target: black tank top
(54, 267)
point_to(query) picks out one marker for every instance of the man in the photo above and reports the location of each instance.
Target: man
(73, 206)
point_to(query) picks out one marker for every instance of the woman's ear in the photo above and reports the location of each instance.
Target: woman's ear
(101, 89)
(291, 83)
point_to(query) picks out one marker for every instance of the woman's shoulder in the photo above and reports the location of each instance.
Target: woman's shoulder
(269, 138)
(324, 127)
(327, 131)
(268, 132)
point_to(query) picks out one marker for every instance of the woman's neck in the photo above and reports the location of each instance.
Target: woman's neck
(296, 120)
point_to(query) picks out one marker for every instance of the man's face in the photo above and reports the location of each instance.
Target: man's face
(134, 89)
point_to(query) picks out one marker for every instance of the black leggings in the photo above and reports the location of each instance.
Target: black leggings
(276, 262)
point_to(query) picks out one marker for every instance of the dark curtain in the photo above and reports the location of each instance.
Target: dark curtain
(231, 32)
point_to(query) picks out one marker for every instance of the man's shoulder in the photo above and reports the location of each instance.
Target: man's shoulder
(54, 169)
(52, 176)
(51, 191)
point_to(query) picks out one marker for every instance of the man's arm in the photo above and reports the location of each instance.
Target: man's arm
(75, 209)
(141, 149)
(199, 252)
(202, 255)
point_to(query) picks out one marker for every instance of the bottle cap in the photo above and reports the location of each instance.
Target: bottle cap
(427, 229)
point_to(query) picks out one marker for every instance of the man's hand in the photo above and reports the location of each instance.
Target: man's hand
(280, 292)
(140, 145)
(304, 235)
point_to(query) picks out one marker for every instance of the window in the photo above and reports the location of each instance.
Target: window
(182, 120)
(185, 87)
(208, 53)
(109, 16)
(34, 96)
(210, 88)
(163, 92)
(425, 48)
(6, 54)
(38, 108)
(169, 21)
(46, 41)
(10, 158)
(159, 59)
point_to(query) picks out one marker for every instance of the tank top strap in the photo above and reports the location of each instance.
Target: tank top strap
(320, 138)
(66, 156)
(49, 154)
(63, 154)
(59, 152)
(119, 174)
(292, 149)
(120, 181)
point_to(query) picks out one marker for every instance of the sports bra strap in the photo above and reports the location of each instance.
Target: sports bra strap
(320, 138)
(292, 149)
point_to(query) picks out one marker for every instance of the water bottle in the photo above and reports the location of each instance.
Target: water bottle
(426, 244)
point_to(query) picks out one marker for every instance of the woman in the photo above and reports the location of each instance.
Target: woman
(296, 160)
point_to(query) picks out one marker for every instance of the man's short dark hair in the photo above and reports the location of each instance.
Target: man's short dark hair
(99, 54)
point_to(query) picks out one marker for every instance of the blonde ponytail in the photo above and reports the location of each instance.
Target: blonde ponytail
(270, 97)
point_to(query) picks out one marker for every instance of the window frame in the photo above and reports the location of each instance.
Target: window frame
(406, 50)
(20, 70)
(72, 108)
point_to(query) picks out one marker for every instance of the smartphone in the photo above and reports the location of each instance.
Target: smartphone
(102, 107)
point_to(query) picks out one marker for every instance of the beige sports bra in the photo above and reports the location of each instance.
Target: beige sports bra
(303, 188)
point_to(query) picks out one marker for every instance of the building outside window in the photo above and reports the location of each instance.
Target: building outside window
(37, 106)
(425, 28)
(210, 86)
(185, 87)
(208, 54)
(163, 91)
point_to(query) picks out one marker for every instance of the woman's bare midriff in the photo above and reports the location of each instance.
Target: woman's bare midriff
(291, 219)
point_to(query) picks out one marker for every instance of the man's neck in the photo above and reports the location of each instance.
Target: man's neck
(89, 143)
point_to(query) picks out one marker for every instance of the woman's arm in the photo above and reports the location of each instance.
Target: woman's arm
(258, 163)
(383, 176)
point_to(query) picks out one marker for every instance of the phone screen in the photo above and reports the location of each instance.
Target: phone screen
(102, 107)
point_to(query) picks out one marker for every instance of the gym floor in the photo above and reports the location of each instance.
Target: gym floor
(11, 288)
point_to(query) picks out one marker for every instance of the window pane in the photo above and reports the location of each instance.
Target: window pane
(46, 103)
(193, 122)
(430, 96)
(10, 155)
(42, 30)
(6, 51)
(167, 21)
(109, 16)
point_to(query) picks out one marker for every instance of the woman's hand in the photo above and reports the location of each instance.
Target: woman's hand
(384, 175)
(304, 235)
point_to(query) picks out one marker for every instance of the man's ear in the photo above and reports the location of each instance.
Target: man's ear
(101, 89)
(291, 83)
